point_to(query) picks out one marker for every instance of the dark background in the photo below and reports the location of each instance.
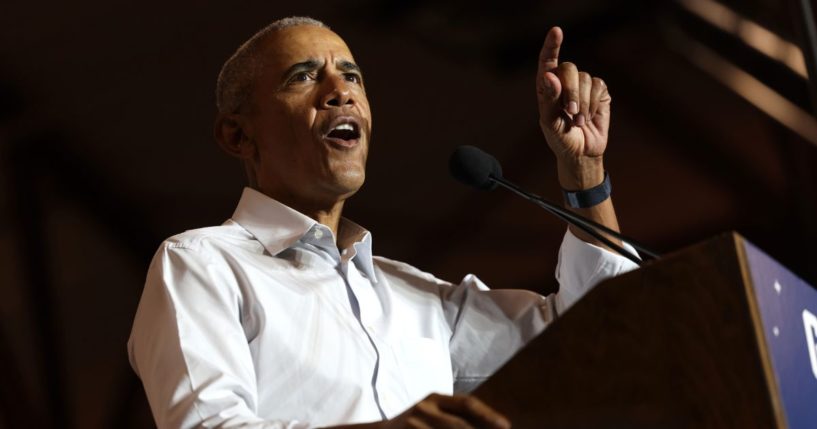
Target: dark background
(105, 150)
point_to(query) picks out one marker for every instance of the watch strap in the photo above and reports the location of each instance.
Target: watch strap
(589, 197)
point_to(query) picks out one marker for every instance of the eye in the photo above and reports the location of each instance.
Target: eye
(300, 77)
(353, 77)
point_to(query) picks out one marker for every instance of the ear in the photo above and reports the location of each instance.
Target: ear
(233, 134)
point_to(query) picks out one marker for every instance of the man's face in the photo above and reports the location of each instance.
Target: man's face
(309, 118)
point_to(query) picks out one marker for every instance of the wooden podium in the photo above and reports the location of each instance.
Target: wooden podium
(680, 343)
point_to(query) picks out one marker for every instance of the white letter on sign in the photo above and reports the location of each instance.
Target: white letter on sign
(810, 323)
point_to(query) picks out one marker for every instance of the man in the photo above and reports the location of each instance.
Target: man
(282, 318)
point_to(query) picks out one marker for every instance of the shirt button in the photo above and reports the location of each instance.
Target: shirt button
(318, 234)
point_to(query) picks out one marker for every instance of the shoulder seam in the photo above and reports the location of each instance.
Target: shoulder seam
(179, 245)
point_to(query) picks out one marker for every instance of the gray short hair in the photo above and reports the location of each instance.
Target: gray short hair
(235, 80)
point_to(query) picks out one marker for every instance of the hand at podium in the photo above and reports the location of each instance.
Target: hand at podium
(442, 411)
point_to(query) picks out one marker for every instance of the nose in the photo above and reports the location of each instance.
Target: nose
(337, 93)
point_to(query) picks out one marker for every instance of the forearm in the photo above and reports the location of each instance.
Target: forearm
(581, 174)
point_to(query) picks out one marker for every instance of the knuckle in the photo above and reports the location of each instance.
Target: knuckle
(471, 402)
(414, 423)
(599, 81)
(423, 408)
(460, 424)
(585, 76)
(567, 69)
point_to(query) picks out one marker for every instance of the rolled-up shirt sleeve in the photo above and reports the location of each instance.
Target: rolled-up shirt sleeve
(490, 326)
(189, 348)
(582, 265)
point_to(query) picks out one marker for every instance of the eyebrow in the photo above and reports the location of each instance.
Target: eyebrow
(348, 66)
(313, 64)
(308, 65)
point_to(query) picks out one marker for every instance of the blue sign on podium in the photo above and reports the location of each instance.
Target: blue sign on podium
(788, 312)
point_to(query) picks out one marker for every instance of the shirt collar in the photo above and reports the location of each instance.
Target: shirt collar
(278, 227)
(352, 234)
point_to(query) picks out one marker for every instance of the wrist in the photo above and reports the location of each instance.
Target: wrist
(588, 198)
(578, 174)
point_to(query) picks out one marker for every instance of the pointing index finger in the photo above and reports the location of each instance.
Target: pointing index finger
(549, 55)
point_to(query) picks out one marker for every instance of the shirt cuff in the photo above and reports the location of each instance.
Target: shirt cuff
(582, 265)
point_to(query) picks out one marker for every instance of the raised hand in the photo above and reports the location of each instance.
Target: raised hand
(574, 114)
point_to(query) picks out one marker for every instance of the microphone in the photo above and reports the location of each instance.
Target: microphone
(473, 167)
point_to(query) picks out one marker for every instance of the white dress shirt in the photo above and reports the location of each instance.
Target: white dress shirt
(262, 322)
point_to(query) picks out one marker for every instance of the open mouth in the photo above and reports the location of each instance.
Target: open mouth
(345, 131)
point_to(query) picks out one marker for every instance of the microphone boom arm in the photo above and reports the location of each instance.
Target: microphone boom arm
(584, 224)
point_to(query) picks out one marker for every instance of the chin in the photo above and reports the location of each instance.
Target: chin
(348, 183)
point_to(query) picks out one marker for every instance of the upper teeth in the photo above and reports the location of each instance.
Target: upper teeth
(347, 127)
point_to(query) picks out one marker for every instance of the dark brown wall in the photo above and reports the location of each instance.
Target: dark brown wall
(105, 150)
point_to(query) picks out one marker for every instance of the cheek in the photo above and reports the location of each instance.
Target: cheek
(303, 131)
(366, 126)
(367, 113)
(288, 129)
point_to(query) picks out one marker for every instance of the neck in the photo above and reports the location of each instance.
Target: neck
(329, 216)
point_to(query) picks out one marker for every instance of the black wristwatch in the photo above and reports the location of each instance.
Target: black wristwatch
(589, 197)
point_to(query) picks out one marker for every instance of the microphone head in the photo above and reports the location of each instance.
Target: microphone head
(472, 166)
